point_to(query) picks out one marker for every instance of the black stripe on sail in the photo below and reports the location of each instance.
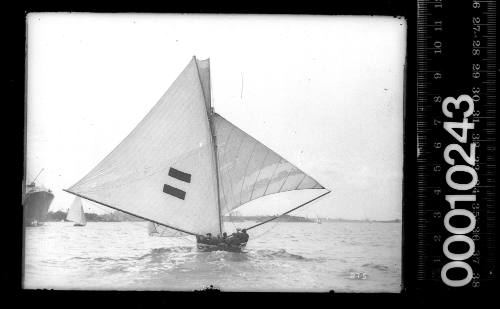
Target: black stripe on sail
(178, 193)
(172, 172)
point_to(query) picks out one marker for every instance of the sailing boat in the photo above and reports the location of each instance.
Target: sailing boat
(318, 220)
(183, 167)
(76, 214)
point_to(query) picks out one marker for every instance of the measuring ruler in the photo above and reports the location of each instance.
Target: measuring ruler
(456, 141)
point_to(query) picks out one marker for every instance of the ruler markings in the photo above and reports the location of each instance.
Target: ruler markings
(429, 63)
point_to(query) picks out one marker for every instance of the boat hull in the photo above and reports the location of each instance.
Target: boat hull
(36, 207)
(215, 244)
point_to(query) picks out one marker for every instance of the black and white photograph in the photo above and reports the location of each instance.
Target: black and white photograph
(245, 153)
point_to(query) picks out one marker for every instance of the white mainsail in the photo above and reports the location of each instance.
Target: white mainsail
(76, 213)
(164, 170)
(183, 167)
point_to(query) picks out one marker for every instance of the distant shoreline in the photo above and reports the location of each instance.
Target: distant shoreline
(288, 218)
(118, 216)
(115, 216)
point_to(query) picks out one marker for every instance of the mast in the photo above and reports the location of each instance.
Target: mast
(37, 176)
(214, 140)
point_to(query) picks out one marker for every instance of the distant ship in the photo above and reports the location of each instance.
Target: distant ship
(36, 202)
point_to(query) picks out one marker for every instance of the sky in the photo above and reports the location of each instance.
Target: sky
(324, 92)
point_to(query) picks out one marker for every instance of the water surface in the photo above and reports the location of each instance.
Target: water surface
(280, 256)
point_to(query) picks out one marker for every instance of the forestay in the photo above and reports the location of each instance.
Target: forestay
(163, 231)
(164, 170)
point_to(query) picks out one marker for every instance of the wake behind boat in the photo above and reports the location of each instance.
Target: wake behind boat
(184, 167)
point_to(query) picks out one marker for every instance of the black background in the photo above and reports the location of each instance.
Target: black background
(13, 111)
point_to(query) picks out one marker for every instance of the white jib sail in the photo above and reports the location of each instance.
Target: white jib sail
(76, 213)
(249, 170)
(164, 170)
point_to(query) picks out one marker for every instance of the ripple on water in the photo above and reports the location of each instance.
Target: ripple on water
(293, 256)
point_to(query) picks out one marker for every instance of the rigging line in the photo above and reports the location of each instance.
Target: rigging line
(226, 172)
(217, 176)
(288, 175)
(301, 181)
(256, 139)
(258, 175)
(272, 176)
(320, 187)
(301, 205)
(184, 237)
(38, 175)
(246, 169)
(229, 220)
(232, 223)
(272, 226)
(92, 200)
(230, 174)
(110, 213)
(224, 160)
(136, 223)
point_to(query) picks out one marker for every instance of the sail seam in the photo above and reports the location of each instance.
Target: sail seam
(237, 157)
(234, 126)
(305, 175)
(258, 175)
(228, 175)
(272, 177)
(224, 160)
(276, 193)
(246, 170)
(288, 175)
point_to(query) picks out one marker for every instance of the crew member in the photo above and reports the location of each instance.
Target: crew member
(234, 239)
(237, 233)
(244, 236)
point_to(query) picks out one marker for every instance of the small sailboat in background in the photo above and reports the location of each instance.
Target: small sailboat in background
(76, 213)
(318, 220)
(184, 167)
